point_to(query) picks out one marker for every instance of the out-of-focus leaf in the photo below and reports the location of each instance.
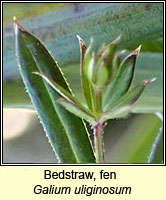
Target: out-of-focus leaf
(122, 81)
(14, 93)
(155, 47)
(132, 140)
(157, 154)
(26, 143)
(58, 24)
(66, 132)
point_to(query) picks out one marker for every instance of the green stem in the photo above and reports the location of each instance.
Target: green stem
(99, 143)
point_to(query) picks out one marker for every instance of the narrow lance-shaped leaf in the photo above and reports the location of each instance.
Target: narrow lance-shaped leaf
(88, 92)
(82, 53)
(116, 113)
(76, 110)
(132, 96)
(66, 132)
(122, 81)
(116, 64)
(86, 85)
(68, 96)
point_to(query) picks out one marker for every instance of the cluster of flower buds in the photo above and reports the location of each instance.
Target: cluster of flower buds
(99, 68)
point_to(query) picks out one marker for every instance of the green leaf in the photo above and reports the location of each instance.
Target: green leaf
(66, 132)
(86, 74)
(156, 155)
(132, 95)
(155, 47)
(133, 140)
(88, 92)
(116, 113)
(14, 94)
(122, 81)
(151, 101)
(82, 53)
(76, 110)
(67, 95)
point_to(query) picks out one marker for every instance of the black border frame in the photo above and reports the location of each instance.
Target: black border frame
(38, 164)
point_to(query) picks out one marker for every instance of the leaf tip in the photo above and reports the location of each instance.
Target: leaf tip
(136, 51)
(81, 41)
(79, 38)
(149, 81)
(82, 44)
(17, 25)
(117, 40)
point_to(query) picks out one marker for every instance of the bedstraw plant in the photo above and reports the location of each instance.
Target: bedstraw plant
(106, 81)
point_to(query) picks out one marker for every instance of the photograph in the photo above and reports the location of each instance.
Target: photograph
(83, 83)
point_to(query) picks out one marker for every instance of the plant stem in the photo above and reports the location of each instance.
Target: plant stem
(99, 143)
(98, 128)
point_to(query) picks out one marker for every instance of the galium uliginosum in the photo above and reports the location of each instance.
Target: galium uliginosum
(106, 84)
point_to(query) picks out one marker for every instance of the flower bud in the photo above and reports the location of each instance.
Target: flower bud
(101, 74)
(99, 68)
(108, 54)
(89, 67)
(96, 72)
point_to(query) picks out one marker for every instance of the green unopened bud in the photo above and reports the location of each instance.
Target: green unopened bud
(89, 68)
(99, 68)
(101, 75)
(97, 73)
(108, 54)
